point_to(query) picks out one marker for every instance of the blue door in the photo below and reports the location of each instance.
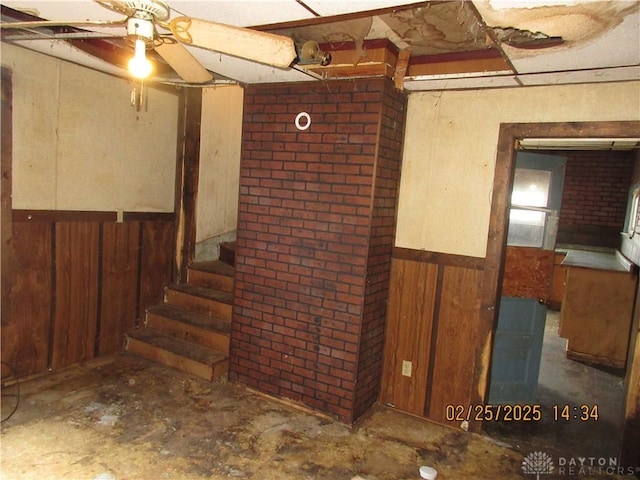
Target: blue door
(517, 350)
(533, 223)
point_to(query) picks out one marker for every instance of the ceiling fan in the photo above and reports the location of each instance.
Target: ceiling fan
(145, 19)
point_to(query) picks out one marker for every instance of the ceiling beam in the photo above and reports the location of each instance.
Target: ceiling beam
(488, 60)
(376, 58)
(382, 58)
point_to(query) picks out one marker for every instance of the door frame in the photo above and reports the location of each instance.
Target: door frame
(509, 138)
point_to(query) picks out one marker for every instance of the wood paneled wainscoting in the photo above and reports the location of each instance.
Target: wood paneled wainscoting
(77, 282)
(432, 322)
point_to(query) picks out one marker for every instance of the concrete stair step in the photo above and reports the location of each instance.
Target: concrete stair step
(213, 274)
(176, 353)
(203, 300)
(211, 332)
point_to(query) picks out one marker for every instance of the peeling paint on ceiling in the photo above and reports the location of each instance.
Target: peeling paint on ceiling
(551, 41)
(596, 34)
(573, 22)
(432, 29)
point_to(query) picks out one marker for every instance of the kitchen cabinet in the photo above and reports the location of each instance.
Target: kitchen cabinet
(597, 306)
(557, 280)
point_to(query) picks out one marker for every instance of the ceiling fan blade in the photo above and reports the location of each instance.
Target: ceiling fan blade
(263, 47)
(183, 62)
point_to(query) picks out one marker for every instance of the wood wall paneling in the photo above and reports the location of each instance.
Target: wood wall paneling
(119, 289)
(410, 313)
(432, 322)
(72, 278)
(156, 262)
(26, 319)
(76, 292)
(456, 343)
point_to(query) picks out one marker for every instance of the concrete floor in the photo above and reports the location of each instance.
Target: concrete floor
(563, 381)
(122, 417)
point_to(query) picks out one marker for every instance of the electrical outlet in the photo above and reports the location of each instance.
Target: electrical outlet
(406, 368)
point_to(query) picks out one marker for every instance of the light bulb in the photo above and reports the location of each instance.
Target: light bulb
(139, 66)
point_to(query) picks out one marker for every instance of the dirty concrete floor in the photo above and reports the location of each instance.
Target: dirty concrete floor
(567, 382)
(122, 417)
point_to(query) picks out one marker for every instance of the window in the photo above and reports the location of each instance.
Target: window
(529, 212)
(633, 220)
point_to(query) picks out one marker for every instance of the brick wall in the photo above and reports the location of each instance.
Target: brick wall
(383, 220)
(635, 159)
(315, 232)
(594, 198)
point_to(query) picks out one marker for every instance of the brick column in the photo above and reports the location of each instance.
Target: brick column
(315, 234)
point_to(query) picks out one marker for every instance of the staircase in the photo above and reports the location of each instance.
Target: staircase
(190, 331)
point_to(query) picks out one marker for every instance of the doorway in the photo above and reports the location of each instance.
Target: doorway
(592, 176)
(510, 137)
(536, 197)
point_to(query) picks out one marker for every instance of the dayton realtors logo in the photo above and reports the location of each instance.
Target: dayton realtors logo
(537, 463)
(541, 463)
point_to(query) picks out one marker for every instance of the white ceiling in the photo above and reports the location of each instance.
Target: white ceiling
(602, 38)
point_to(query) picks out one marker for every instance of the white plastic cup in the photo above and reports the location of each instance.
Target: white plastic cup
(428, 473)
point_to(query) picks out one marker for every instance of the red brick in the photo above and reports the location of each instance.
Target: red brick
(306, 204)
(595, 182)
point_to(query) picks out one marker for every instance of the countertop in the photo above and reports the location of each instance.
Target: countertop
(599, 260)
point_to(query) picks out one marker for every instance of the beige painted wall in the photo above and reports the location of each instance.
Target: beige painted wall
(80, 145)
(220, 147)
(450, 150)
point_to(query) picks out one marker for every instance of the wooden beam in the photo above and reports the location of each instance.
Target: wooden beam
(401, 68)
(6, 226)
(187, 172)
(377, 58)
(425, 256)
(382, 58)
(488, 60)
(53, 216)
(6, 159)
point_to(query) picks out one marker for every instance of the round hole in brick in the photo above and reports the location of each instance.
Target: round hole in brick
(303, 125)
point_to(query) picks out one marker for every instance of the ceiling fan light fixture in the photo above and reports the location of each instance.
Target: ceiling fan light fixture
(139, 66)
(157, 9)
(140, 29)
